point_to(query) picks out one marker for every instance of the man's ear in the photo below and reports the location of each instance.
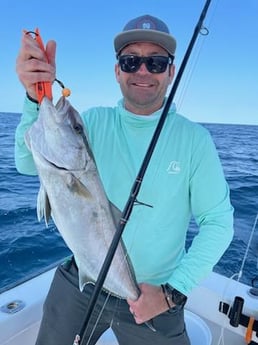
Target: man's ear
(171, 72)
(117, 72)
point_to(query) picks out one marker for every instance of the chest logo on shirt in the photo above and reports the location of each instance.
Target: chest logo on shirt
(174, 167)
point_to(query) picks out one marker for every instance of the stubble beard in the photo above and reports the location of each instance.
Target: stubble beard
(144, 101)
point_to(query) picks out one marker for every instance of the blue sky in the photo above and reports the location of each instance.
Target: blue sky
(220, 83)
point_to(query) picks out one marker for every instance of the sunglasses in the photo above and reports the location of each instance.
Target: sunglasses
(154, 64)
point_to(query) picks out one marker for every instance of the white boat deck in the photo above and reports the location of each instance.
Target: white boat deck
(204, 321)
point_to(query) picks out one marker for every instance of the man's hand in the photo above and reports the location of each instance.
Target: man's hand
(151, 303)
(33, 65)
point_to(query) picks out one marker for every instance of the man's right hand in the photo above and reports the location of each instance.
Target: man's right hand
(33, 65)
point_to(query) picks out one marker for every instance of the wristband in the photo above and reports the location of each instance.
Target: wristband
(167, 297)
(31, 99)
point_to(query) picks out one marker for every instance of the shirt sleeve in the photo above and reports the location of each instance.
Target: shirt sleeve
(23, 158)
(213, 213)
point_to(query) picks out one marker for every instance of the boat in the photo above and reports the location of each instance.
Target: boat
(221, 310)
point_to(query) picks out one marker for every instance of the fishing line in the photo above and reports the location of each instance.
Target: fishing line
(221, 340)
(195, 59)
(98, 318)
(248, 247)
(186, 83)
(238, 275)
(103, 307)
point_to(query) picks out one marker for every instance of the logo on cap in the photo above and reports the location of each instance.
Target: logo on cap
(146, 25)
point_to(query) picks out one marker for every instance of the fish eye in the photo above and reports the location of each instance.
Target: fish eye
(78, 128)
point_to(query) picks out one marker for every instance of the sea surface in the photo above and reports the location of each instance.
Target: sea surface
(28, 247)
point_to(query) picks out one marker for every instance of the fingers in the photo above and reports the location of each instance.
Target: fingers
(30, 49)
(34, 65)
(150, 303)
(138, 319)
(135, 309)
(51, 52)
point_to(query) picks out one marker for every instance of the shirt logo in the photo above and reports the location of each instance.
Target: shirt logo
(174, 167)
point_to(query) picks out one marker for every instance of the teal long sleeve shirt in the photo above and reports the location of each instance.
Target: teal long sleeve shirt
(184, 179)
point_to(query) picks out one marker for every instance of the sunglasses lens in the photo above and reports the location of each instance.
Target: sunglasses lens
(129, 63)
(154, 64)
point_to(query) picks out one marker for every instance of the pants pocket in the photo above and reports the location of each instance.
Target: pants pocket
(171, 324)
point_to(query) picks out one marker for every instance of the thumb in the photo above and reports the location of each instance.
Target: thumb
(51, 52)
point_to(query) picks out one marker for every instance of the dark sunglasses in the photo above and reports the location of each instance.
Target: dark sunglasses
(154, 64)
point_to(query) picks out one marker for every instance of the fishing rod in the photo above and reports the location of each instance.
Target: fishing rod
(138, 181)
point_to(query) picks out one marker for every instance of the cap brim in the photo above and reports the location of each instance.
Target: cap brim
(163, 39)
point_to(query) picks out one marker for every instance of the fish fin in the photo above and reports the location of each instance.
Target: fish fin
(116, 213)
(43, 205)
(76, 186)
(83, 279)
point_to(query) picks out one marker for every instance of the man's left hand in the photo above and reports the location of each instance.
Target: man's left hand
(151, 303)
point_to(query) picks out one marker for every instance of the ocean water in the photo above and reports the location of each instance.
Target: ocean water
(27, 246)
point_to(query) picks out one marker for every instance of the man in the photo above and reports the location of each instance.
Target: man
(184, 179)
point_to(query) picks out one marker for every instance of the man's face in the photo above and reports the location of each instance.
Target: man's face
(144, 91)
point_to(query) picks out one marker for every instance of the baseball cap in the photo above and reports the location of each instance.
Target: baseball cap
(145, 28)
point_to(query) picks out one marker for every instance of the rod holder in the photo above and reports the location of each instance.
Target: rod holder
(236, 311)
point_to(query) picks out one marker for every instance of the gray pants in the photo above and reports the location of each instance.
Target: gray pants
(64, 312)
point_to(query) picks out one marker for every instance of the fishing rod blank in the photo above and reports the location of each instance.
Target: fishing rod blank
(137, 184)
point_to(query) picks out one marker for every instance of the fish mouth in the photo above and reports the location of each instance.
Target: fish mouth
(55, 166)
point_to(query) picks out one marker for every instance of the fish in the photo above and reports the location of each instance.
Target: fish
(72, 194)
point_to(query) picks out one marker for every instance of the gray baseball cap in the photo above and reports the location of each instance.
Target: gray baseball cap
(145, 29)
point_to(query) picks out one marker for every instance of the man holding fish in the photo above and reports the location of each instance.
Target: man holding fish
(184, 179)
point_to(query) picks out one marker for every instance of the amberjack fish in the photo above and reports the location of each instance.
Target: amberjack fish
(71, 192)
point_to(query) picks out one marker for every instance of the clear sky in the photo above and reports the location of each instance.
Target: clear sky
(220, 82)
